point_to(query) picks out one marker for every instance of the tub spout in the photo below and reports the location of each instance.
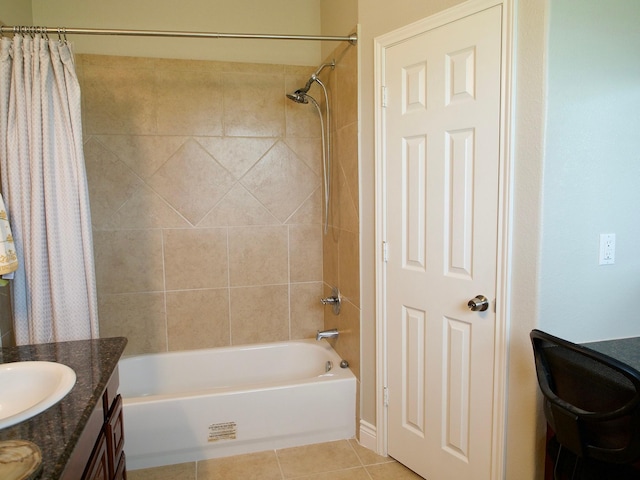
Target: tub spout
(333, 333)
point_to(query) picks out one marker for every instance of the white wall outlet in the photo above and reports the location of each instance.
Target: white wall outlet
(607, 248)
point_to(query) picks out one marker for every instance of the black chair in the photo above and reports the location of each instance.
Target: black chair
(592, 405)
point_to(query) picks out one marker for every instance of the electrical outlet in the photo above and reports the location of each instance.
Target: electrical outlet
(607, 248)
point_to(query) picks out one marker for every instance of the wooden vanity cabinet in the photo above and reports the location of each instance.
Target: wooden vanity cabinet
(100, 451)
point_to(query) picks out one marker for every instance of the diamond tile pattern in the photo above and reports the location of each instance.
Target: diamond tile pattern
(206, 195)
(281, 181)
(192, 181)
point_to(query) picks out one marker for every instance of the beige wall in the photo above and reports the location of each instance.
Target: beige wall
(227, 16)
(15, 12)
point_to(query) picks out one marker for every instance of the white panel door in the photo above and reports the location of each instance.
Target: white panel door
(442, 141)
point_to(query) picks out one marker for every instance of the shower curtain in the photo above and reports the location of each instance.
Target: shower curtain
(45, 189)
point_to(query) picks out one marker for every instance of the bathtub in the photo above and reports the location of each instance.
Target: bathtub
(199, 404)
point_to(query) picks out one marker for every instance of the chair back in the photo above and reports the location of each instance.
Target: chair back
(591, 401)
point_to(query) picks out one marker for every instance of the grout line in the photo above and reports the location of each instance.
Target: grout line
(229, 287)
(164, 291)
(275, 451)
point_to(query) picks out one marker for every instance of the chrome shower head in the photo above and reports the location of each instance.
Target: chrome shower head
(298, 96)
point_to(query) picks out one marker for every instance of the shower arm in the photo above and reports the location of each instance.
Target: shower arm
(314, 77)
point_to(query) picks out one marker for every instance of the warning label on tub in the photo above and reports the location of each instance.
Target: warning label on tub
(222, 431)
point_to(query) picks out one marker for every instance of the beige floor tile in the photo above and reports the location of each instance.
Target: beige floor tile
(391, 471)
(181, 471)
(368, 457)
(253, 466)
(358, 473)
(319, 458)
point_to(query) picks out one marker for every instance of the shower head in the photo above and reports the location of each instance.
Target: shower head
(298, 96)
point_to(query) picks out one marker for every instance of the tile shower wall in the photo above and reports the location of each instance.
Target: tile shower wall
(341, 251)
(205, 189)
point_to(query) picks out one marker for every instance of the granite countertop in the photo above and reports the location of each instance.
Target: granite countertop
(57, 430)
(626, 350)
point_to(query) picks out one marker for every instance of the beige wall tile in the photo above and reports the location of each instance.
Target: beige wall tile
(342, 210)
(281, 181)
(128, 261)
(198, 319)
(195, 258)
(140, 317)
(258, 255)
(238, 208)
(237, 154)
(330, 257)
(253, 105)
(347, 86)
(192, 181)
(302, 118)
(259, 314)
(189, 102)
(309, 150)
(143, 154)
(307, 313)
(349, 266)
(144, 209)
(119, 100)
(310, 212)
(348, 324)
(305, 253)
(180, 143)
(111, 181)
(347, 152)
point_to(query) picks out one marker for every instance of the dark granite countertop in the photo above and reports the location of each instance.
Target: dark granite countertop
(626, 350)
(57, 430)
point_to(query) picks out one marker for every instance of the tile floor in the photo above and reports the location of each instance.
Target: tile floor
(340, 460)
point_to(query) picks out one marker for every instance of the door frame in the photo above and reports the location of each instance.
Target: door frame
(505, 200)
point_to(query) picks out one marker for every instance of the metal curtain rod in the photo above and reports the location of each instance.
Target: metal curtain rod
(61, 31)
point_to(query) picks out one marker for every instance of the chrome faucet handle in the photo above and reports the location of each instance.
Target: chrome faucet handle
(334, 300)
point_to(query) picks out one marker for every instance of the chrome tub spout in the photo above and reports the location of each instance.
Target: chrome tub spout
(333, 333)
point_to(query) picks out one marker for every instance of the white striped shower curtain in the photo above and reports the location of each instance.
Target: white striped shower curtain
(45, 189)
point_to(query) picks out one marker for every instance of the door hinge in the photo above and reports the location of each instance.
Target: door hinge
(385, 396)
(385, 251)
(384, 96)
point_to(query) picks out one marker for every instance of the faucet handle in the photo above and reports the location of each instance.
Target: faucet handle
(333, 300)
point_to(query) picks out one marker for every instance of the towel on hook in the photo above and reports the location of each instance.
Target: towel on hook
(8, 256)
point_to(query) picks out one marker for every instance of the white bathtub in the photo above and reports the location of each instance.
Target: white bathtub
(199, 404)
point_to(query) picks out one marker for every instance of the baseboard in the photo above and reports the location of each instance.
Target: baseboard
(368, 436)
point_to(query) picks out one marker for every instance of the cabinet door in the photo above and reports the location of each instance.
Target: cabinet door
(121, 473)
(114, 429)
(98, 466)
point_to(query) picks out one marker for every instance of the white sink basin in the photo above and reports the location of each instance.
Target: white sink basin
(29, 388)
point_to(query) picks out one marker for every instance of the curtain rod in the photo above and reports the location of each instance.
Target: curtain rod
(63, 31)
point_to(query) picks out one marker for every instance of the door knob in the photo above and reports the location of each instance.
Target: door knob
(478, 304)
